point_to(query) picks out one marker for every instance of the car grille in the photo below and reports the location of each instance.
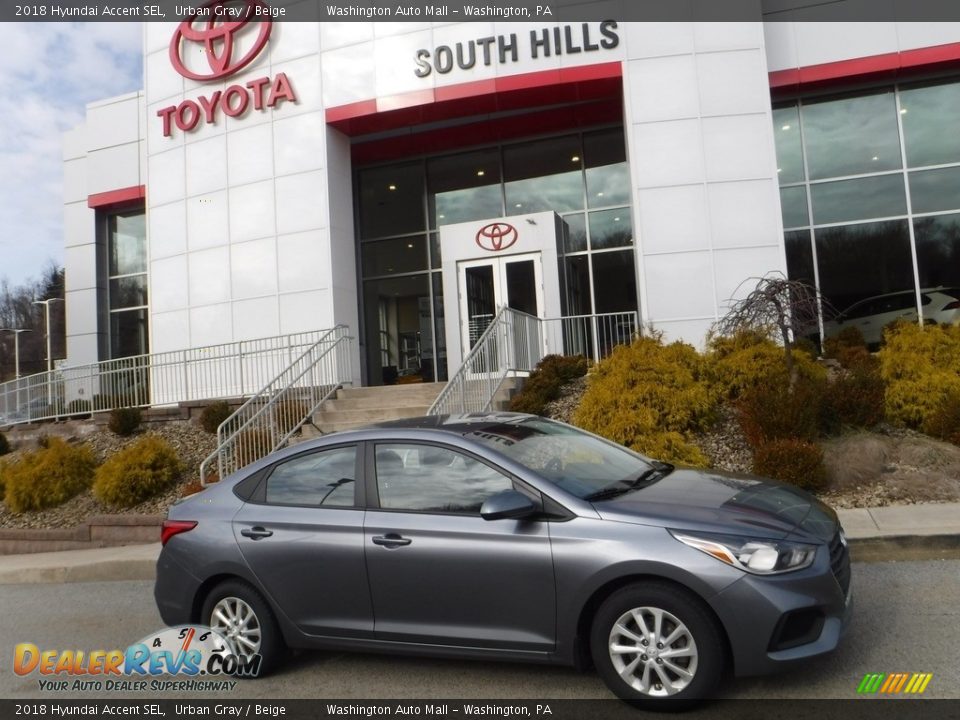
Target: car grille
(840, 561)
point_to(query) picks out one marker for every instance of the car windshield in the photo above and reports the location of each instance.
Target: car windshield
(571, 459)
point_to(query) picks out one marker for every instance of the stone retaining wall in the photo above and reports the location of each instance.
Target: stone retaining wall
(100, 531)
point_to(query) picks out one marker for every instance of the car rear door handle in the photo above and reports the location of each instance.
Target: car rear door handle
(391, 541)
(256, 532)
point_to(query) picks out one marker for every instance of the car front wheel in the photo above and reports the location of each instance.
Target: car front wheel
(656, 645)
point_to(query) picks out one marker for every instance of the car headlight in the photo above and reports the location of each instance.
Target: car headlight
(763, 557)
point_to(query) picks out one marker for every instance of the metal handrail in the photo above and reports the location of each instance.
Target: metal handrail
(511, 343)
(232, 369)
(515, 342)
(266, 421)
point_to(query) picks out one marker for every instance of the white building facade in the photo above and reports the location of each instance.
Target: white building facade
(405, 179)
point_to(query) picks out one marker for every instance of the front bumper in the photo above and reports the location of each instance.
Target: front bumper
(756, 609)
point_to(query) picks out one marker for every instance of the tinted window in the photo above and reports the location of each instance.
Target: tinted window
(426, 478)
(319, 479)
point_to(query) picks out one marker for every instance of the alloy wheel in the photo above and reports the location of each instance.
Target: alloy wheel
(653, 651)
(239, 625)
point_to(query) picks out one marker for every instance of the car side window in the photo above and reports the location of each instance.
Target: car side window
(426, 478)
(321, 479)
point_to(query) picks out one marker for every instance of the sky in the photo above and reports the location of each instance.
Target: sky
(49, 71)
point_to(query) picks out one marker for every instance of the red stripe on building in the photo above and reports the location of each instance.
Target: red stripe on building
(117, 197)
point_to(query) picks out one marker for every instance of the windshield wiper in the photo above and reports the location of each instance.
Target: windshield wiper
(621, 487)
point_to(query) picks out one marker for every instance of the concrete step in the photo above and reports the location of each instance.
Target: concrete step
(390, 393)
(376, 402)
(370, 415)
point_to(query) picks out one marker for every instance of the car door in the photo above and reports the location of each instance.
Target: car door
(302, 536)
(441, 574)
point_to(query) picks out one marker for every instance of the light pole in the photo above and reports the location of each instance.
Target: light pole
(46, 305)
(16, 357)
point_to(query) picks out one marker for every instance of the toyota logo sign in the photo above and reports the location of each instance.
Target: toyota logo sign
(496, 236)
(220, 21)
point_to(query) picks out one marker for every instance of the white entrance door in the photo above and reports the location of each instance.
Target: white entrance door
(484, 285)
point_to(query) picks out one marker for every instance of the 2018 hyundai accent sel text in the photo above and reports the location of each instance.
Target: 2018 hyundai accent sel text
(513, 537)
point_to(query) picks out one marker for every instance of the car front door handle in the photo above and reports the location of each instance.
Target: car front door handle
(256, 532)
(391, 541)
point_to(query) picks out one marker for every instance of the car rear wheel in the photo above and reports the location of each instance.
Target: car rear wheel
(656, 645)
(240, 614)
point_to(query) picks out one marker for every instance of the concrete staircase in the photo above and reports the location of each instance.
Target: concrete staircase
(357, 407)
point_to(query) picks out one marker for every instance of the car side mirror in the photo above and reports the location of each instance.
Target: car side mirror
(508, 504)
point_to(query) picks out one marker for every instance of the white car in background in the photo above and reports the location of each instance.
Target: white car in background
(870, 316)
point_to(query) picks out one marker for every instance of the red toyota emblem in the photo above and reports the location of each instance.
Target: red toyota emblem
(496, 236)
(217, 25)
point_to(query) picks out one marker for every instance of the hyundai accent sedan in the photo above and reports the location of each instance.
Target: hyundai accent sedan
(508, 536)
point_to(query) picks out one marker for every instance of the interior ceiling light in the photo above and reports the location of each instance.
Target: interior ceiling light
(575, 158)
(409, 245)
(391, 187)
(785, 127)
(480, 173)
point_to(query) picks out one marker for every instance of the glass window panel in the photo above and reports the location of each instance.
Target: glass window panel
(319, 479)
(574, 233)
(128, 333)
(856, 262)
(464, 187)
(436, 259)
(389, 257)
(852, 135)
(391, 200)
(786, 131)
(396, 318)
(610, 228)
(128, 243)
(607, 173)
(614, 282)
(935, 190)
(577, 291)
(799, 256)
(938, 251)
(440, 338)
(128, 292)
(793, 206)
(423, 478)
(543, 175)
(880, 196)
(930, 124)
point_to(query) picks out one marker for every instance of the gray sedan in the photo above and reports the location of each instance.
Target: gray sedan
(513, 537)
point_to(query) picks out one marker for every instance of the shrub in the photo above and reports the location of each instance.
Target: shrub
(773, 411)
(48, 477)
(849, 337)
(546, 381)
(806, 346)
(944, 422)
(921, 369)
(137, 473)
(4, 444)
(793, 461)
(214, 415)
(855, 398)
(749, 359)
(650, 397)
(125, 421)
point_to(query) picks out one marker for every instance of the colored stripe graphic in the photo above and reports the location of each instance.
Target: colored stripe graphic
(894, 683)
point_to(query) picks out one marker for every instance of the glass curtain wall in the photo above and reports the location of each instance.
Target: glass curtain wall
(870, 194)
(582, 176)
(127, 283)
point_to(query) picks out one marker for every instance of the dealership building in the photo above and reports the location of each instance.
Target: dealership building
(405, 179)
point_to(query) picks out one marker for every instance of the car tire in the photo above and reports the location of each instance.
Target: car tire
(691, 642)
(235, 599)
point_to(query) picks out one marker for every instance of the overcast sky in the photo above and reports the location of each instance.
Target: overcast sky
(48, 73)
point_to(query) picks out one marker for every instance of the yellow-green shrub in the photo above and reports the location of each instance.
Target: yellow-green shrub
(48, 477)
(138, 472)
(921, 368)
(214, 415)
(793, 461)
(748, 359)
(650, 397)
(546, 381)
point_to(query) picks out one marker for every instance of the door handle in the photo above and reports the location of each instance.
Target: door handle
(256, 532)
(391, 540)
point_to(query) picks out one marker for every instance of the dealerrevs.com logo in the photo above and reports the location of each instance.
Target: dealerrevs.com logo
(217, 40)
(190, 651)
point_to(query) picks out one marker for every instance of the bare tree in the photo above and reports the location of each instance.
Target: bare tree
(790, 308)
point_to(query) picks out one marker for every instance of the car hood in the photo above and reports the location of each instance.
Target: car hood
(714, 501)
